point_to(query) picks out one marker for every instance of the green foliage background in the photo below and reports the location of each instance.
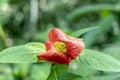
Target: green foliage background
(30, 21)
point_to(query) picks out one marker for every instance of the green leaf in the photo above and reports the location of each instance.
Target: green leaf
(6, 70)
(37, 45)
(2, 34)
(99, 61)
(2, 38)
(40, 71)
(94, 35)
(113, 51)
(82, 31)
(106, 77)
(60, 72)
(21, 54)
(78, 12)
(21, 70)
(80, 69)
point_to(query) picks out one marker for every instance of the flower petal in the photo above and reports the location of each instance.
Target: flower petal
(48, 45)
(57, 35)
(74, 47)
(53, 56)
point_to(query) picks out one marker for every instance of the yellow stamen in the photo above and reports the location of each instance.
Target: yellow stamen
(60, 46)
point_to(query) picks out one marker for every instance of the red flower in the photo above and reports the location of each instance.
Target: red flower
(61, 48)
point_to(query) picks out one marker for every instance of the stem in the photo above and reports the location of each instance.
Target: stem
(55, 73)
(2, 38)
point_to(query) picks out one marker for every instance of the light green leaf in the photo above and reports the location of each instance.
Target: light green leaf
(99, 61)
(40, 71)
(6, 70)
(21, 69)
(106, 77)
(21, 54)
(113, 51)
(37, 45)
(80, 69)
(82, 31)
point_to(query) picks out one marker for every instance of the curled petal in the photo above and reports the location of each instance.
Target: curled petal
(74, 48)
(53, 56)
(48, 45)
(57, 35)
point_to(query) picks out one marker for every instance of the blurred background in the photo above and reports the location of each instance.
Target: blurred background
(23, 21)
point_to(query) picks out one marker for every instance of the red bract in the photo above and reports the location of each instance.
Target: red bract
(61, 48)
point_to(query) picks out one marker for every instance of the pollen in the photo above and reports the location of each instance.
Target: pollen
(60, 47)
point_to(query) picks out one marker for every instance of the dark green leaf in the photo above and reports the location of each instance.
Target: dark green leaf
(82, 31)
(60, 72)
(2, 38)
(75, 14)
(2, 34)
(93, 35)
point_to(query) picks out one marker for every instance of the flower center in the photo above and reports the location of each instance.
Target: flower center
(60, 46)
